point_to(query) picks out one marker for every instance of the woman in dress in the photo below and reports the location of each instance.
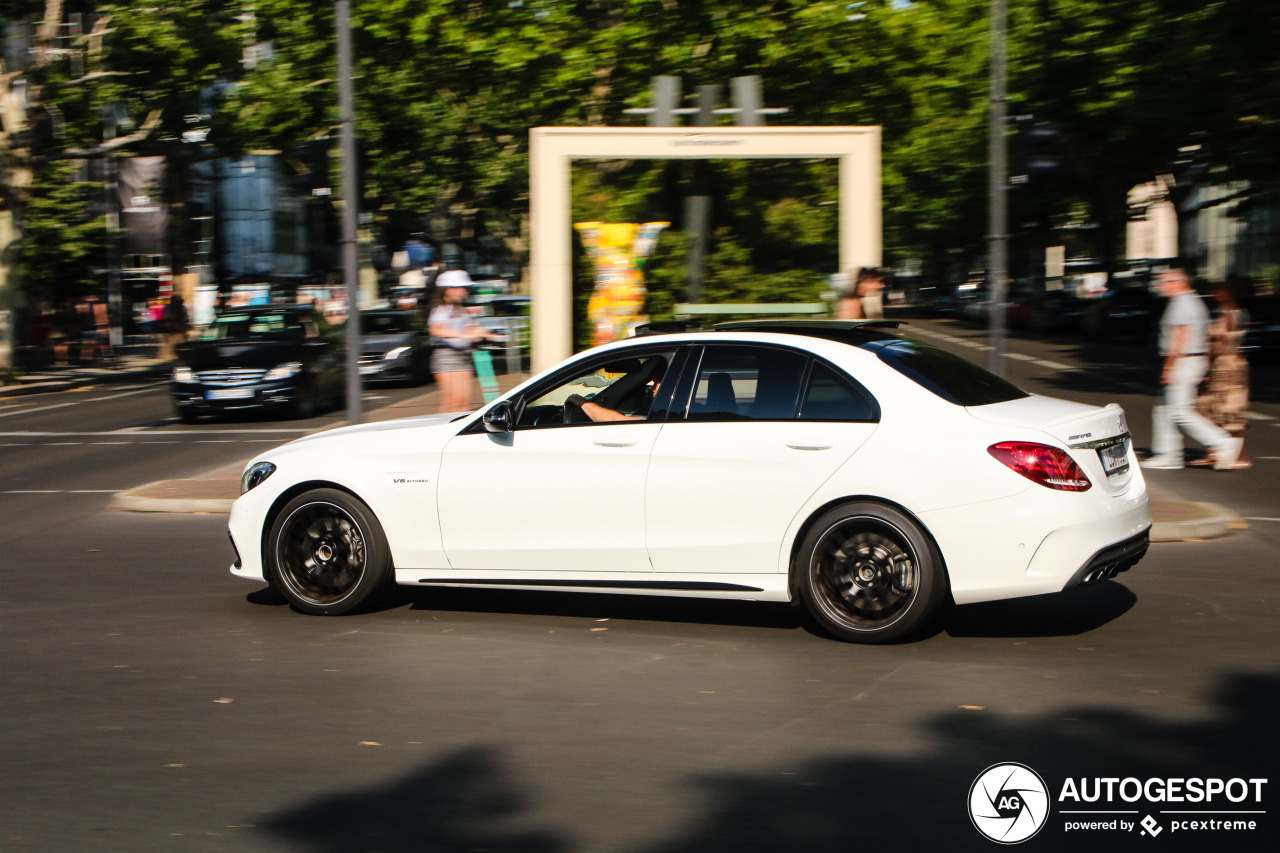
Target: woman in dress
(1225, 394)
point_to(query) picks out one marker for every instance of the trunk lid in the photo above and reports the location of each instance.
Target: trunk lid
(1096, 437)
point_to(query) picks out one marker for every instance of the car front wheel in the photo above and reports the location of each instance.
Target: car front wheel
(327, 554)
(869, 574)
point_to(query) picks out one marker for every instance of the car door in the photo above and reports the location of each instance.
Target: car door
(555, 494)
(763, 428)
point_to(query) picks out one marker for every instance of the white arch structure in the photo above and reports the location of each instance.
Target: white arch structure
(551, 150)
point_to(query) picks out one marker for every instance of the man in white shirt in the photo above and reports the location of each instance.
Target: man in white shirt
(1184, 329)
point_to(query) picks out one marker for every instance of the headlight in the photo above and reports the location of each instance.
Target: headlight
(282, 371)
(183, 374)
(255, 474)
(396, 353)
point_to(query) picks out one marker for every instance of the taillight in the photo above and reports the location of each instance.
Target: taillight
(1048, 466)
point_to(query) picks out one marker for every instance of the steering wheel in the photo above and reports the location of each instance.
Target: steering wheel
(573, 413)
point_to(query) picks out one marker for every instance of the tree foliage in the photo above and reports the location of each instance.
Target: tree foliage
(447, 92)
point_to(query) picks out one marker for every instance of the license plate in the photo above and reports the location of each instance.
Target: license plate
(229, 394)
(1115, 457)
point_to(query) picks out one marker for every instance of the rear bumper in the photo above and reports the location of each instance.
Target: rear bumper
(1040, 541)
(1111, 561)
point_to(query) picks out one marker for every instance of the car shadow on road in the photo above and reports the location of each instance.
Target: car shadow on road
(1061, 614)
(1058, 615)
(643, 608)
(858, 796)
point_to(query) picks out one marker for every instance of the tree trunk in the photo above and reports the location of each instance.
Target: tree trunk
(16, 171)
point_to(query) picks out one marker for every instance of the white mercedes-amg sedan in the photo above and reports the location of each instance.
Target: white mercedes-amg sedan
(866, 475)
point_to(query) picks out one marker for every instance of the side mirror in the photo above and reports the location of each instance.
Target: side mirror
(499, 418)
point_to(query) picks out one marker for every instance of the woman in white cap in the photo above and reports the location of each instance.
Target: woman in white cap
(453, 337)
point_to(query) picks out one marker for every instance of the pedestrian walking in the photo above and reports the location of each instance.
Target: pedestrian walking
(452, 335)
(175, 323)
(1224, 398)
(865, 299)
(1184, 346)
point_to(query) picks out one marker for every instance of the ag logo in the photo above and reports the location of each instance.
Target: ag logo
(1008, 803)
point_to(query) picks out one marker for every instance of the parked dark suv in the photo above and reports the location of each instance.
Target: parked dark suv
(286, 358)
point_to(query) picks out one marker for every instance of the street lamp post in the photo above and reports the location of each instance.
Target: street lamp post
(350, 210)
(998, 211)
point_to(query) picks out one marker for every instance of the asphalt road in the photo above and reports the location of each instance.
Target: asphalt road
(149, 701)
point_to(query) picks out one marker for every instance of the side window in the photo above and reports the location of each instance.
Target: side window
(618, 390)
(741, 383)
(830, 396)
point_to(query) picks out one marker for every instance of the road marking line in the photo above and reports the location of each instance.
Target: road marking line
(62, 491)
(1255, 518)
(129, 433)
(1053, 365)
(216, 441)
(78, 402)
(1258, 416)
(1019, 356)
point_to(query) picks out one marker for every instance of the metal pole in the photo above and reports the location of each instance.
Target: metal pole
(998, 236)
(697, 204)
(350, 211)
(115, 297)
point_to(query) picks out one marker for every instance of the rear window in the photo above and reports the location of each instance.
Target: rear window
(956, 380)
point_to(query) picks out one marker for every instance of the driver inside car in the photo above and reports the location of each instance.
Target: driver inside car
(603, 414)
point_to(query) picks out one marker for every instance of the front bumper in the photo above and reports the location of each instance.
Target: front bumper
(209, 399)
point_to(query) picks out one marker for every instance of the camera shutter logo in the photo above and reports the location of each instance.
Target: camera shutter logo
(1008, 803)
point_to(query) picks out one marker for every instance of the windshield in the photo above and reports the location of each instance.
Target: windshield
(386, 324)
(264, 326)
(954, 379)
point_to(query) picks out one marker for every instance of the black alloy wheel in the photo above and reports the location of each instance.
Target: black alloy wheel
(327, 554)
(870, 574)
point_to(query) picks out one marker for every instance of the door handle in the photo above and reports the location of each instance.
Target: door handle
(810, 444)
(614, 442)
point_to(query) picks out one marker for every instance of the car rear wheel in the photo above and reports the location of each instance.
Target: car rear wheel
(869, 574)
(327, 554)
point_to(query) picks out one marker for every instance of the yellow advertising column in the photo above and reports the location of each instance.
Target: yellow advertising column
(618, 250)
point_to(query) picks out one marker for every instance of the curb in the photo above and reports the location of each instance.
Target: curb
(207, 495)
(1210, 521)
(55, 385)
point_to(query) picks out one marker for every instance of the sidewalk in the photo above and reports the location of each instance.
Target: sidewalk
(62, 377)
(1173, 520)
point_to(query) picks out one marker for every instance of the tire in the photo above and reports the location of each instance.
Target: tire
(327, 554)
(869, 574)
(187, 416)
